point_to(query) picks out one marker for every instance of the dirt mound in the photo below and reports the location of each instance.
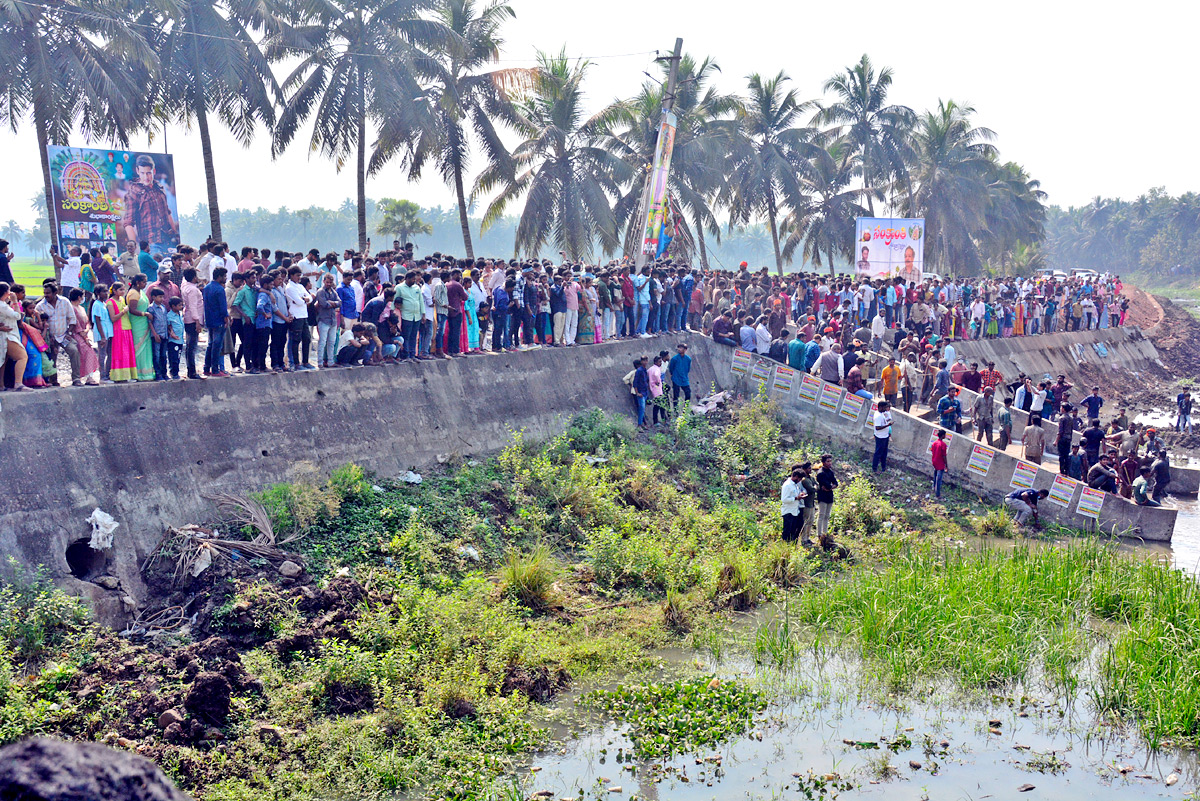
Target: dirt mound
(53, 770)
(1174, 332)
(208, 699)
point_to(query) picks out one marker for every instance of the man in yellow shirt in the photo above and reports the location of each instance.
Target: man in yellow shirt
(890, 381)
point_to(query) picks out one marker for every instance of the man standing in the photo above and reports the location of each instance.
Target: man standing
(1034, 439)
(883, 435)
(146, 263)
(298, 299)
(680, 370)
(1093, 403)
(1184, 404)
(216, 320)
(147, 217)
(939, 452)
(826, 483)
(1162, 475)
(949, 411)
(193, 318)
(889, 380)
(1066, 432)
(984, 414)
(789, 504)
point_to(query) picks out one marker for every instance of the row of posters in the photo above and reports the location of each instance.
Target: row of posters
(832, 398)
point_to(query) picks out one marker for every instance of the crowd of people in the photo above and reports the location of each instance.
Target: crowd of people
(137, 316)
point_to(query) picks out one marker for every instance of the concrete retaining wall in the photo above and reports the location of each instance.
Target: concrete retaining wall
(910, 446)
(145, 453)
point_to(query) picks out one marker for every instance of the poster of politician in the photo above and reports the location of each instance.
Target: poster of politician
(110, 197)
(889, 247)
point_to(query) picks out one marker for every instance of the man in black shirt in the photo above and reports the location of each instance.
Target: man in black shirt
(826, 484)
(1162, 475)
(809, 485)
(1023, 504)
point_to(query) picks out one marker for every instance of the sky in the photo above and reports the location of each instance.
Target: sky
(1074, 93)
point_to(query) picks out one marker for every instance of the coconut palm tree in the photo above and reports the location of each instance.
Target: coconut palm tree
(1016, 213)
(212, 65)
(12, 231)
(361, 62)
(704, 129)
(765, 160)
(950, 172)
(462, 99)
(68, 63)
(877, 131)
(822, 226)
(401, 219)
(567, 179)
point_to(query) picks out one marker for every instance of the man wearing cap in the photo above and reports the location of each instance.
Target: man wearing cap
(164, 282)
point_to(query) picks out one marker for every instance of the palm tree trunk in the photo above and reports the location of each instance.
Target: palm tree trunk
(362, 167)
(462, 210)
(700, 244)
(43, 138)
(210, 174)
(774, 232)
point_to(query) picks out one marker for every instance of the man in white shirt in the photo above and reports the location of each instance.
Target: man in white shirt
(789, 504)
(299, 334)
(878, 329)
(883, 435)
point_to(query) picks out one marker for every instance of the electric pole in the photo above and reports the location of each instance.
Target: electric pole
(667, 105)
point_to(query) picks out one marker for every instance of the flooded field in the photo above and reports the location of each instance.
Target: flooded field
(828, 732)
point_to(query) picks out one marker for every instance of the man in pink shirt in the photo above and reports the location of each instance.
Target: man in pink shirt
(193, 316)
(571, 290)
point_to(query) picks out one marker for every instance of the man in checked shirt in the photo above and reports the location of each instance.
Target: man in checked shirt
(147, 214)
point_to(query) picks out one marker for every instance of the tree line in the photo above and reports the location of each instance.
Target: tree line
(417, 83)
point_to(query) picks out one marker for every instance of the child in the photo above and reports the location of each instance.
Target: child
(174, 335)
(102, 330)
(158, 329)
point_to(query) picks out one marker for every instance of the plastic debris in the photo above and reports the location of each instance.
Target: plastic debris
(203, 561)
(377, 488)
(103, 526)
(411, 478)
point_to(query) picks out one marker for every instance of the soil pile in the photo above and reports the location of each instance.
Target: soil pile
(1174, 332)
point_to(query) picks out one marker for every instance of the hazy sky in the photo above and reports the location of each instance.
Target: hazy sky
(1075, 93)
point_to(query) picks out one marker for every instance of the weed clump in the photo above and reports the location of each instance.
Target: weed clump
(680, 717)
(529, 577)
(997, 523)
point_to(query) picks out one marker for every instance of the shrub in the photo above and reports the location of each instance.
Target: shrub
(349, 481)
(857, 509)
(299, 505)
(750, 446)
(997, 523)
(738, 581)
(595, 431)
(529, 578)
(35, 615)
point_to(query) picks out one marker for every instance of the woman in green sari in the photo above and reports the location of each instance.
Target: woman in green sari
(139, 322)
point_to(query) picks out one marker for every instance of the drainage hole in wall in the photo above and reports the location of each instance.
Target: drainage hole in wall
(83, 560)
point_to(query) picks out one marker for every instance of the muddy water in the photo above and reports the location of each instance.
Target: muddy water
(938, 746)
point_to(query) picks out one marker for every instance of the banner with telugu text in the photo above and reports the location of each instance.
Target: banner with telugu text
(886, 247)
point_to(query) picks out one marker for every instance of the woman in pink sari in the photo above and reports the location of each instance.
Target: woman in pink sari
(123, 365)
(89, 364)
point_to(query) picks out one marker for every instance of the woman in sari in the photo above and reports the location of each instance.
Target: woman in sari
(136, 304)
(35, 345)
(1019, 319)
(123, 364)
(11, 337)
(587, 331)
(471, 313)
(89, 364)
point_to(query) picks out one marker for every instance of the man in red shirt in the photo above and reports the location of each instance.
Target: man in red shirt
(939, 451)
(990, 377)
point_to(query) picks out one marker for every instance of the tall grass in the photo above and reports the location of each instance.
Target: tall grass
(529, 577)
(994, 617)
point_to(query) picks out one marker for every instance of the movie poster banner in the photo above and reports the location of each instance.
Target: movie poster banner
(1090, 502)
(109, 197)
(785, 379)
(830, 395)
(810, 388)
(852, 406)
(980, 461)
(1024, 474)
(1062, 491)
(886, 247)
(741, 361)
(656, 210)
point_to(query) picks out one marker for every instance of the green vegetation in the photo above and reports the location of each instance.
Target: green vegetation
(667, 719)
(443, 612)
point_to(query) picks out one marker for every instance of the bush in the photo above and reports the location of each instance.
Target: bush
(35, 615)
(739, 582)
(858, 510)
(595, 431)
(301, 504)
(997, 523)
(529, 578)
(750, 446)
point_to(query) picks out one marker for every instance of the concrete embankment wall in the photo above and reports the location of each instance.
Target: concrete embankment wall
(146, 453)
(911, 438)
(1125, 348)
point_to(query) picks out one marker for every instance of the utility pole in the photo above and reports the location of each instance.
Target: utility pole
(667, 105)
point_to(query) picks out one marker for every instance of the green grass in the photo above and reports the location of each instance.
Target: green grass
(1003, 615)
(30, 273)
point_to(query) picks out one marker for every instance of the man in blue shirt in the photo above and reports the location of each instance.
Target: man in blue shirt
(949, 411)
(349, 308)
(216, 318)
(641, 296)
(1093, 403)
(680, 368)
(146, 263)
(812, 352)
